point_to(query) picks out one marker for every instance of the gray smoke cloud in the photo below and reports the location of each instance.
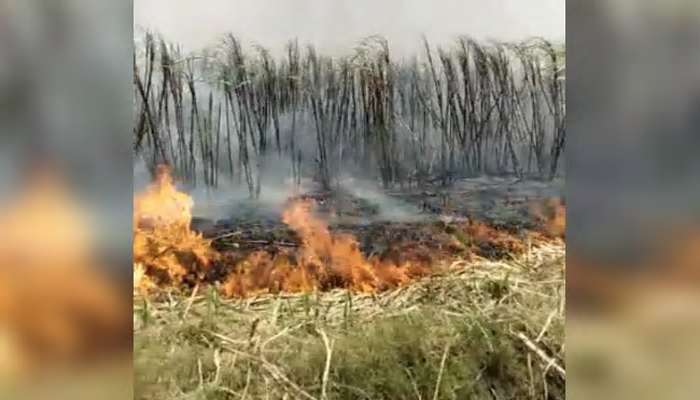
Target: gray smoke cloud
(334, 28)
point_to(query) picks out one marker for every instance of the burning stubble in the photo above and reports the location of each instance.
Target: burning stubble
(324, 260)
(166, 250)
(168, 253)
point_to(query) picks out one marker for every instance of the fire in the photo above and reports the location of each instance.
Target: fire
(324, 261)
(552, 216)
(340, 253)
(167, 252)
(165, 249)
(142, 282)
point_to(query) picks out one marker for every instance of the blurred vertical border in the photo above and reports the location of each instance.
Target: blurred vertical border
(633, 240)
(65, 199)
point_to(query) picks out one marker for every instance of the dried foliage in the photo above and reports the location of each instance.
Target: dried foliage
(481, 329)
(469, 109)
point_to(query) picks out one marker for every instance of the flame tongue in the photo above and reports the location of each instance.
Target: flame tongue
(164, 245)
(162, 205)
(340, 254)
(325, 261)
(167, 251)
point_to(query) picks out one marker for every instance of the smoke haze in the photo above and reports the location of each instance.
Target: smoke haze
(336, 26)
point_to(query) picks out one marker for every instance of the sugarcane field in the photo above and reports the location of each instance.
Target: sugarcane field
(364, 225)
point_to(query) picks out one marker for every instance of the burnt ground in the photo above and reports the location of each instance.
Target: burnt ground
(393, 224)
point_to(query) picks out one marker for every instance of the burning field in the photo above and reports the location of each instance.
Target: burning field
(305, 254)
(308, 305)
(365, 225)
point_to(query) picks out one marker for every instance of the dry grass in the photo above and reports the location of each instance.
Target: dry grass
(485, 329)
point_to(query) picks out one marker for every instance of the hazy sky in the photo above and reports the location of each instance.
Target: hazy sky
(336, 25)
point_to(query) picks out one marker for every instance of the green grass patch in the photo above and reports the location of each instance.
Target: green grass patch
(448, 337)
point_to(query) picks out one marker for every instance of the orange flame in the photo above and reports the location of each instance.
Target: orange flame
(324, 261)
(340, 253)
(551, 214)
(165, 248)
(168, 252)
